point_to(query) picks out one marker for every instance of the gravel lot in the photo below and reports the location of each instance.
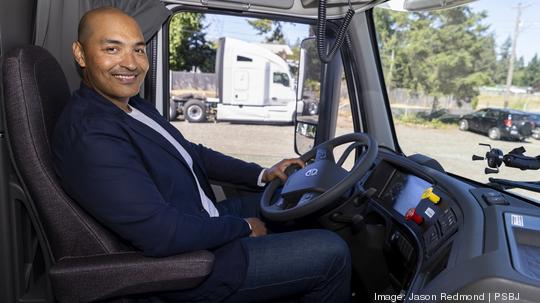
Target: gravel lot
(267, 144)
(264, 144)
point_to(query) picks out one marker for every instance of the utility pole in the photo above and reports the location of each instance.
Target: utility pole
(512, 56)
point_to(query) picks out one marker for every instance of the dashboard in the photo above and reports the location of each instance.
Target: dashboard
(407, 196)
(427, 235)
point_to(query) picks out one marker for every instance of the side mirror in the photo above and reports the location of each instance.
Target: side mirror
(304, 138)
(307, 96)
(309, 70)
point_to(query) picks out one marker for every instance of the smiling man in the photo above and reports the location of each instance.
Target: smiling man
(135, 173)
(112, 55)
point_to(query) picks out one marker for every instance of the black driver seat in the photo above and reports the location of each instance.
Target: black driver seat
(89, 262)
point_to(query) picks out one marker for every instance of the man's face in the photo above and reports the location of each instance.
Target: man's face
(113, 56)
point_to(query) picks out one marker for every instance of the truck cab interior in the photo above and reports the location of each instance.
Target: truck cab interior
(417, 230)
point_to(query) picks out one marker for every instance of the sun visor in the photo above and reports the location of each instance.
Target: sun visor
(150, 14)
(282, 4)
(296, 8)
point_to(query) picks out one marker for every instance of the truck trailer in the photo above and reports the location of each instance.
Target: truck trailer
(253, 84)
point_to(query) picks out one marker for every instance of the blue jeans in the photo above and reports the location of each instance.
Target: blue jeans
(308, 265)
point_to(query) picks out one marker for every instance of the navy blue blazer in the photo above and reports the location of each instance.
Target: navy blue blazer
(132, 180)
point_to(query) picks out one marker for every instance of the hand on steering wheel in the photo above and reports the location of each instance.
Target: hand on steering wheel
(318, 184)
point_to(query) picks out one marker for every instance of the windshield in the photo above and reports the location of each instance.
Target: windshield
(463, 76)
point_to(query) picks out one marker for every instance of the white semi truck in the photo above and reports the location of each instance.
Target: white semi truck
(253, 85)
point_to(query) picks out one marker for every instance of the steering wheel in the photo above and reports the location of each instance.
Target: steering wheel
(320, 183)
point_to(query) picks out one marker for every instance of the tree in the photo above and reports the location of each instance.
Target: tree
(265, 26)
(391, 29)
(465, 60)
(188, 47)
(520, 73)
(441, 53)
(532, 73)
(295, 57)
(262, 26)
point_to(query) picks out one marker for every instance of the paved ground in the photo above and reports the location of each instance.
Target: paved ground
(264, 144)
(454, 149)
(267, 144)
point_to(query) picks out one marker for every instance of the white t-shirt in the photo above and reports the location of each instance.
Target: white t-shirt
(206, 202)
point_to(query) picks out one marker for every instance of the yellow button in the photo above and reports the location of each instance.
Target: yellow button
(428, 194)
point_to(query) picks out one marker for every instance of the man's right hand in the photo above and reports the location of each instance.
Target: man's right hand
(257, 227)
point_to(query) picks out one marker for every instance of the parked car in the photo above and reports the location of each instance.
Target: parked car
(536, 129)
(498, 123)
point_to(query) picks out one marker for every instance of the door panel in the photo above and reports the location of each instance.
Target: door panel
(489, 121)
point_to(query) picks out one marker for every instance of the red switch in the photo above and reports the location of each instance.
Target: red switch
(412, 215)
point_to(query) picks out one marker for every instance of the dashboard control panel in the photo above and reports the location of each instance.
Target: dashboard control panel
(424, 206)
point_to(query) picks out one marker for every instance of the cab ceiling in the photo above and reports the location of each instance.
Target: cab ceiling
(294, 8)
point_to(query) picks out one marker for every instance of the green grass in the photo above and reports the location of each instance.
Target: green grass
(414, 120)
(520, 102)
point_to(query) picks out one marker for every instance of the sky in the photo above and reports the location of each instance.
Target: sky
(501, 18)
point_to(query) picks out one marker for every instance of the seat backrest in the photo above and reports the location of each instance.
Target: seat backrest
(35, 92)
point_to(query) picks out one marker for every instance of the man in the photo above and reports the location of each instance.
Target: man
(134, 172)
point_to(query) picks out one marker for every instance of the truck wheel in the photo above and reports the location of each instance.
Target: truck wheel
(195, 111)
(173, 111)
(494, 133)
(536, 133)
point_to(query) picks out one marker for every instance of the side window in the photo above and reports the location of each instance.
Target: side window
(232, 87)
(492, 114)
(286, 80)
(481, 113)
(281, 78)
